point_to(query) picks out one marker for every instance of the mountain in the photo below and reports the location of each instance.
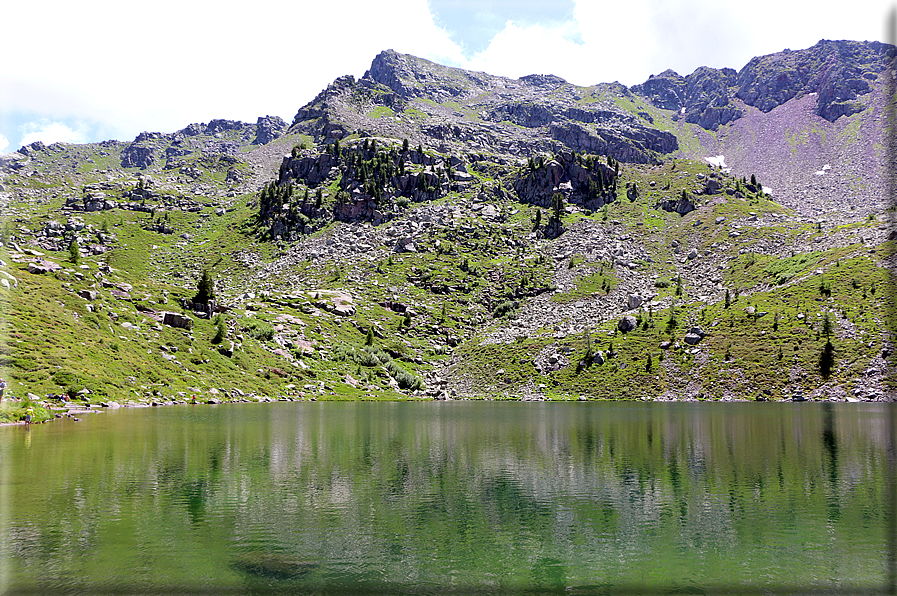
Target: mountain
(430, 232)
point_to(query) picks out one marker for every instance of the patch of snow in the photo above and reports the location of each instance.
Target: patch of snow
(824, 169)
(767, 190)
(718, 161)
(682, 111)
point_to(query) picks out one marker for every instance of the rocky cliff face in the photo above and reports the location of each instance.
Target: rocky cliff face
(703, 97)
(838, 71)
(441, 107)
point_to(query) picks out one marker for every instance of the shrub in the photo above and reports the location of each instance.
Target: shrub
(260, 330)
(367, 358)
(405, 379)
(505, 308)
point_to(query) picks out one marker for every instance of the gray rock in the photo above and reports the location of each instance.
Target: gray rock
(692, 339)
(138, 156)
(680, 205)
(626, 324)
(43, 267)
(633, 301)
(173, 319)
(269, 128)
(694, 336)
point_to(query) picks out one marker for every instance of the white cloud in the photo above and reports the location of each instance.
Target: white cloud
(128, 68)
(49, 132)
(141, 68)
(4, 143)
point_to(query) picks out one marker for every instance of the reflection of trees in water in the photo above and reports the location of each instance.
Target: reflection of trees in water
(533, 483)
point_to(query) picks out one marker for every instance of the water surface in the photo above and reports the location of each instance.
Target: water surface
(464, 497)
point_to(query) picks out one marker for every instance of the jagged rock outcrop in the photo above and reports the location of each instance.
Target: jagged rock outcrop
(403, 96)
(138, 154)
(838, 71)
(702, 98)
(682, 205)
(32, 148)
(667, 91)
(634, 145)
(708, 98)
(268, 129)
(584, 181)
(220, 125)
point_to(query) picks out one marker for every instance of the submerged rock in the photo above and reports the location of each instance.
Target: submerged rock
(273, 565)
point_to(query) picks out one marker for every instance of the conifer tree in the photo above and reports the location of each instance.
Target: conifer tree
(74, 251)
(205, 287)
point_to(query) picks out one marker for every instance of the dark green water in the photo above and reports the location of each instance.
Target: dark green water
(469, 497)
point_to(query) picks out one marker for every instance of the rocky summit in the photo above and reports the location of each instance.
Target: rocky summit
(426, 232)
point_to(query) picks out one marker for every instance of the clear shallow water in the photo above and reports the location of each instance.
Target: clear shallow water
(466, 497)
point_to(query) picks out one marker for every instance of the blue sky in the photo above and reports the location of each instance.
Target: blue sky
(105, 69)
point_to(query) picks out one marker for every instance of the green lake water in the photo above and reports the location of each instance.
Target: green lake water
(452, 497)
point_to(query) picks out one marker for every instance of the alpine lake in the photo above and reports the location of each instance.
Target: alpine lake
(468, 497)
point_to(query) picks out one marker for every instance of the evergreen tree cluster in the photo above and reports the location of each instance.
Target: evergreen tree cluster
(380, 171)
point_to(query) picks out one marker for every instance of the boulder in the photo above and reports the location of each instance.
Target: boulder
(680, 206)
(43, 267)
(626, 324)
(173, 319)
(634, 301)
(694, 336)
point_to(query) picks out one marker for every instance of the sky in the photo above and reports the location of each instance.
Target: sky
(93, 70)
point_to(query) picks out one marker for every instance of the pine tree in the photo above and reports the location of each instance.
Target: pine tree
(827, 359)
(220, 330)
(557, 206)
(369, 340)
(404, 145)
(826, 326)
(205, 287)
(74, 251)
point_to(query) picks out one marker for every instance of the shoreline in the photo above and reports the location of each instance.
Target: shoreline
(98, 408)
